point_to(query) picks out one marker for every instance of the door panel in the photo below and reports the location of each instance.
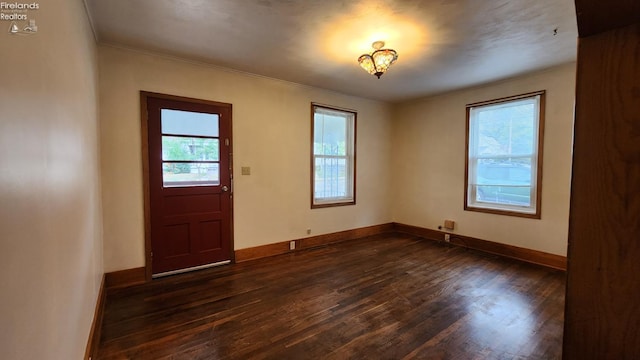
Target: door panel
(210, 235)
(176, 241)
(189, 176)
(175, 205)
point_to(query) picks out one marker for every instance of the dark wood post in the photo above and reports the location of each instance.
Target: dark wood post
(602, 317)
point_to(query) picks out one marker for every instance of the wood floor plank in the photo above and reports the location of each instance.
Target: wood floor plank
(391, 296)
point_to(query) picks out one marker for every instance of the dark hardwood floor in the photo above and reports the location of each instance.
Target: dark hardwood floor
(383, 297)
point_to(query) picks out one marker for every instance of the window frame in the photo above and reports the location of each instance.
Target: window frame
(188, 183)
(351, 159)
(508, 209)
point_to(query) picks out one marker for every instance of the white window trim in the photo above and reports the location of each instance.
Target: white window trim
(470, 202)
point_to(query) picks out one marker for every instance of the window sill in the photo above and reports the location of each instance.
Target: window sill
(332, 204)
(502, 211)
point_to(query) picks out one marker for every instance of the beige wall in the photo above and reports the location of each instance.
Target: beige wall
(271, 134)
(50, 201)
(428, 146)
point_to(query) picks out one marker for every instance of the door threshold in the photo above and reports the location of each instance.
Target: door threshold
(180, 271)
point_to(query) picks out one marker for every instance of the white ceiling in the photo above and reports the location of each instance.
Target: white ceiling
(442, 44)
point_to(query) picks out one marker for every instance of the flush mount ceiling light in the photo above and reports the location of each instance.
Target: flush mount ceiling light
(379, 61)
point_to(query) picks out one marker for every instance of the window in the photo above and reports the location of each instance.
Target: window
(333, 157)
(190, 148)
(504, 155)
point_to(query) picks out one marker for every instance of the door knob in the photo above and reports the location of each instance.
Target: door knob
(225, 188)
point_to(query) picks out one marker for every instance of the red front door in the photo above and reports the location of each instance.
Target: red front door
(189, 183)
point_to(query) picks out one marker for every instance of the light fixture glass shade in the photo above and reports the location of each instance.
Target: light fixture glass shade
(378, 62)
(366, 61)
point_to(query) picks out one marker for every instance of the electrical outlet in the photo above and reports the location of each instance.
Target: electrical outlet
(447, 237)
(308, 231)
(292, 245)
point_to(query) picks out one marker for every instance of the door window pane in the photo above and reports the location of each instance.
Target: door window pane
(190, 174)
(190, 148)
(187, 148)
(176, 122)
